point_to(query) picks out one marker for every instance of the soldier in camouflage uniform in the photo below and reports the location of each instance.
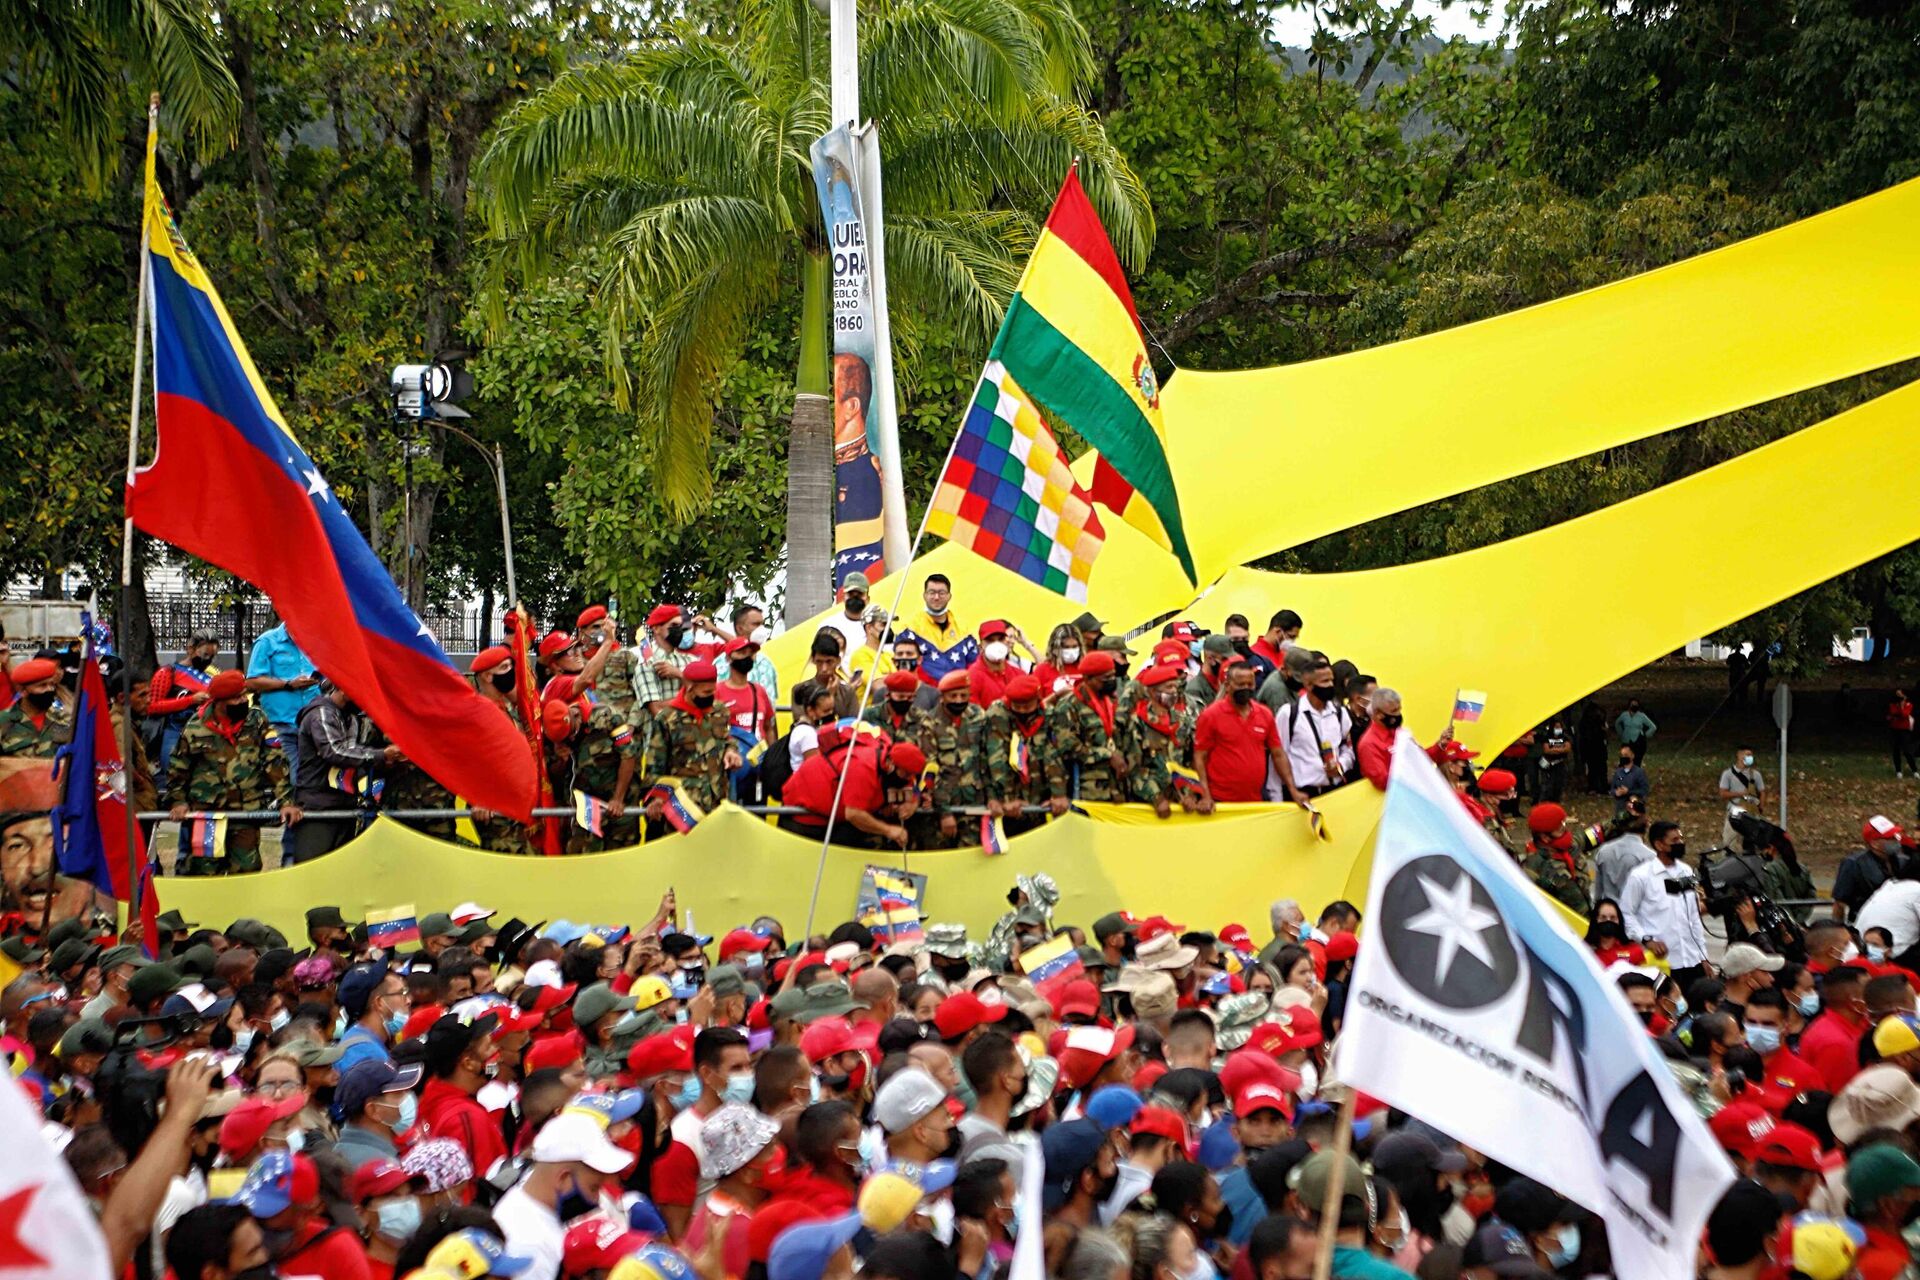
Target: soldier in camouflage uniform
(1093, 753)
(1163, 737)
(614, 685)
(493, 679)
(599, 758)
(956, 744)
(38, 723)
(896, 712)
(691, 741)
(1014, 793)
(229, 757)
(408, 786)
(1497, 786)
(1556, 857)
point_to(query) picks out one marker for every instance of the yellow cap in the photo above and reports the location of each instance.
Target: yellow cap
(1898, 1033)
(887, 1200)
(1823, 1250)
(650, 991)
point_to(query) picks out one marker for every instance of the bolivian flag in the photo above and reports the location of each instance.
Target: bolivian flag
(1073, 340)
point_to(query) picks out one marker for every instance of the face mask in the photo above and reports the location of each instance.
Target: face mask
(279, 1020)
(1104, 686)
(243, 1041)
(1193, 649)
(504, 682)
(739, 1088)
(199, 663)
(900, 705)
(1309, 1080)
(1566, 1246)
(1679, 1007)
(399, 1219)
(701, 700)
(688, 1095)
(955, 709)
(1626, 762)
(1851, 954)
(675, 634)
(941, 612)
(871, 1150)
(41, 701)
(1747, 761)
(856, 603)
(1765, 1040)
(235, 710)
(396, 1023)
(1070, 655)
(995, 651)
(1677, 850)
(297, 1141)
(1876, 954)
(1242, 697)
(906, 664)
(1391, 721)
(1322, 692)
(813, 1089)
(339, 1024)
(740, 666)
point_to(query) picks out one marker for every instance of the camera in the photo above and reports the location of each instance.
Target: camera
(128, 1089)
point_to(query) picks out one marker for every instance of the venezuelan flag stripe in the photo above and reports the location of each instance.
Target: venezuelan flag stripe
(230, 484)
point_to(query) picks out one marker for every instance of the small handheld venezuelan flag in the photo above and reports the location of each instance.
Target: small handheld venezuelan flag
(590, 812)
(204, 838)
(681, 813)
(993, 835)
(1052, 963)
(1185, 780)
(1468, 704)
(393, 927)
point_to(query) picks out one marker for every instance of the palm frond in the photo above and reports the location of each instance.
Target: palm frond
(179, 43)
(962, 266)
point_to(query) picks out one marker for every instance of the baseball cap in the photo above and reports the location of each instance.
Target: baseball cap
(1113, 1107)
(657, 1055)
(473, 1254)
(1743, 958)
(1790, 1146)
(739, 940)
(802, 1252)
(1897, 1033)
(597, 1241)
(1877, 1172)
(152, 982)
(1262, 1095)
(1087, 1049)
(1738, 1126)
(357, 986)
(596, 1002)
(1880, 827)
(1821, 1247)
(381, 1177)
(962, 1011)
(245, 1125)
(1162, 1122)
(569, 1139)
(1312, 1177)
(1114, 922)
(367, 1080)
(609, 1108)
(906, 1098)
(1406, 1152)
(276, 1180)
(655, 1261)
(1498, 1248)
(1069, 1149)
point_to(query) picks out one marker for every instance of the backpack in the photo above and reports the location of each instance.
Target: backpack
(777, 766)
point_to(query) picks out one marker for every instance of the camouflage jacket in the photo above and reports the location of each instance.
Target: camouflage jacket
(615, 686)
(1570, 888)
(959, 748)
(1157, 748)
(1004, 781)
(1080, 765)
(916, 728)
(212, 770)
(692, 746)
(20, 737)
(593, 764)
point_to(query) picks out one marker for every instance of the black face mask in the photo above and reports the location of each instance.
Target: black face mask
(856, 603)
(1609, 931)
(199, 663)
(906, 664)
(674, 634)
(1243, 696)
(1678, 849)
(950, 969)
(504, 682)
(1104, 1192)
(235, 710)
(701, 700)
(41, 701)
(900, 705)
(955, 709)
(1324, 692)
(740, 666)
(256, 1273)
(1391, 722)
(1242, 648)
(278, 1241)
(1103, 686)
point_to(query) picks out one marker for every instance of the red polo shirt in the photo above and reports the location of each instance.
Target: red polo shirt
(448, 1111)
(987, 686)
(1831, 1046)
(1237, 745)
(812, 784)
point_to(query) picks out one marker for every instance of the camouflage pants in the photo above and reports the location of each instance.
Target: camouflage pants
(504, 835)
(621, 833)
(242, 855)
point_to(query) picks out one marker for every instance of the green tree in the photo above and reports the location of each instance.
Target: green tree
(688, 161)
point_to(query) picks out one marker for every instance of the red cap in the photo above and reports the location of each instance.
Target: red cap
(739, 940)
(1269, 1038)
(553, 644)
(1162, 1122)
(962, 1011)
(738, 643)
(1343, 946)
(1496, 782)
(993, 627)
(825, 1037)
(590, 615)
(657, 1055)
(697, 670)
(227, 684)
(1878, 827)
(551, 998)
(379, 1177)
(1097, 663)
(1455, 751)
(1543, 818)
(1303, 1028)
(1149, 1072)
(1023, 688)
(908, 759)
(559, 689)
(757, 1016)
(1183, 631)
(245, 1125)
(1261, 1095)
(1236, 936)
(1246, 1065)
(34, 670)
(597, 1242)
(488, 659)
(557, 721)
(663, 614)
(954, 680)
(1078, 996)
(1790, 1146)
(512, 1020)
(902, 682)
(422, 1018)
(1087, 1049)
(555, 1051)
(1160, 673)
(1153, 926)
(1171, 652)
(1740, 1126)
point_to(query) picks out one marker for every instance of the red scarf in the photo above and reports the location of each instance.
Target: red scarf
(680, 701)
(1144, 711)
(1102, 707)
(228, 729)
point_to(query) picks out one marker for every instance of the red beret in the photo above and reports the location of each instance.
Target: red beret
(34, 670)
(1159, 673)
(663, 614)
(228, 684)
(901, 682)
(590, 615)
(1496, 781)
(559, 689)
(697, 670)
(1097, 663)
(488, 659)
(992, 627)
(1022, 688)
(553, 644)
(908, 759)
(954, 680)
(1545, 817)
(1171, 651)
(556, 720)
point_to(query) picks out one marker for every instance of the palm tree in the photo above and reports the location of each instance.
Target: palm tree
(685, 165)
(74, 56)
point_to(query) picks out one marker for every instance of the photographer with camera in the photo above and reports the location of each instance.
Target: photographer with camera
(129, 1209)
(1663, 902)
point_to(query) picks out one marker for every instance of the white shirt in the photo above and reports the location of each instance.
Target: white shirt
(802, 741)
(1305, 729)
(533, 1230)
(1673, 918)
(1895, 907)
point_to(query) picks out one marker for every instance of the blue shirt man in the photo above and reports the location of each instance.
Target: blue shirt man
(284, 679)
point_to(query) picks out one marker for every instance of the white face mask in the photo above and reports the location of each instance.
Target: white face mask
(1070, 655)
(1309, 1080)
(1851, 954)
(995, 651)
(760, 635)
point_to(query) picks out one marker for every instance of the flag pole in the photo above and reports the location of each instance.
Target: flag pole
(1336, 1188)
(134, 885)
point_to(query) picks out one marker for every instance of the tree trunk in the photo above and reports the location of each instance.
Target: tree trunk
(810, 485)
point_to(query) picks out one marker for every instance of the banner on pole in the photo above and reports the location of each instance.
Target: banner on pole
(1474, 1007)
(858, 517)
(889, 903)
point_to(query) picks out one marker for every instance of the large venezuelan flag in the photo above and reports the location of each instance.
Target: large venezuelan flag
(1072, 339)
(230, 484)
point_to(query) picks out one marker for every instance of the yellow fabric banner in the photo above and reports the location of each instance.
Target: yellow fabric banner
(733, 867)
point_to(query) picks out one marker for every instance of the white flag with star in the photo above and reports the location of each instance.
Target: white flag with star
(1474, 1008)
